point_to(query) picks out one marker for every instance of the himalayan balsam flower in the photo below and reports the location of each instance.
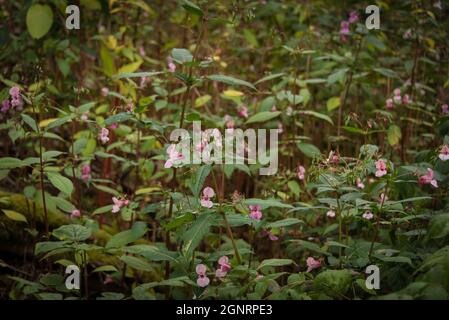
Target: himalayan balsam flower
(255, 213)
(118, 204)
(397, 92)
(224, 267)
(360, 184)
(104, 91)
(14, 92)
(389, 103)
(428, 179)
(174, 157)
(84, 116)
(75, 213)
(368, 215)
(205, 201)
(266, 233)
(243, 111)
(301, 172)
(353, 17)
(171, 65)
(406, 99)
(445, 108)
(6, 105)
(381, 168)
(104, 135)
(444, 153)
(344, 31)
(203, 280)
(85, 172)
(330, 214)
(312, 264)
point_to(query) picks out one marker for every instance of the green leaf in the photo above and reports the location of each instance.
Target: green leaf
(200, 177)
(152, 253)
(230, 80)
(135, 75)
(268, 203)
(275, 263)
(137, 263)
(199, 228)
(394, 135)
(293, 185)
(39, 20)
(29, 121)
(309, 150)
(284, 223)
(73, 232)
(317, 115)
(439, 226)
(60, 182)
(60, 122)
(106, 268)
(386, 72)
(119, 117)
(181, 55)
(191, 7)
(201, 101)
(333, 103)
(270, 77)
(263, 116)
(46, 246)
(123, 238)
(10, 163)
(334, 283)
(14, 215)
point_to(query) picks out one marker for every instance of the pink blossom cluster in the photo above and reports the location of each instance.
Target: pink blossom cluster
(104, 135)
(267, 233)
(223, 268)
(381, 168)
(205, 201)
(312, 263)
(255, 213)
(428, 179)
(397, 99)
(444, 153)
(85, 172)
(118, 204)
(203, 280)
(301, 172)
(15, 101)
(345, 24)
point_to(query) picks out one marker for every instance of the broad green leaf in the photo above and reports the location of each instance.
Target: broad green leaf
(284, 223)
(39, 20)
(293, 185)
(200, 177)
(270, 77)
(29, 121)
(333, 103)
(152, 253)
(135, 75)
(199, 228)
(263, 116)
(73, 232)
(333, 282)
(191, 7)
(309, 150)
(181, 55)
(121, 239)
(317, 115)
(14, 215)
(10, 163)
(230, 80)
(394, 135)
(60, 182)
(275, 263)
(201, 101)
(137, 263)
(267, 203)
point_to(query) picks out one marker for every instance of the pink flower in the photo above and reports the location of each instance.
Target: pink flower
(334, 158)
(117, 204)
(108, 279)
(368, 215)
(224, 267)
(104, 91)
(406, 99)
(75, 213)
(444, 153)
(243, 111)
(85, 116)
(266, 233)
(6, 105)
(280, 128)
(312, 264)
(203, 280)
(381, 167)
(113, 126)
(445, 108)
(208, 193)
(428, 179)
(104, 135)
(360, 184)
(14, 92)
(330, 214)
(389, 103)
(301, 171)
(397, 99)
(255, 213)
(174, 157)
(171, 66)
(397, 92)
(353, 17)
(85, 172)
(274, 108)
(344, 27)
